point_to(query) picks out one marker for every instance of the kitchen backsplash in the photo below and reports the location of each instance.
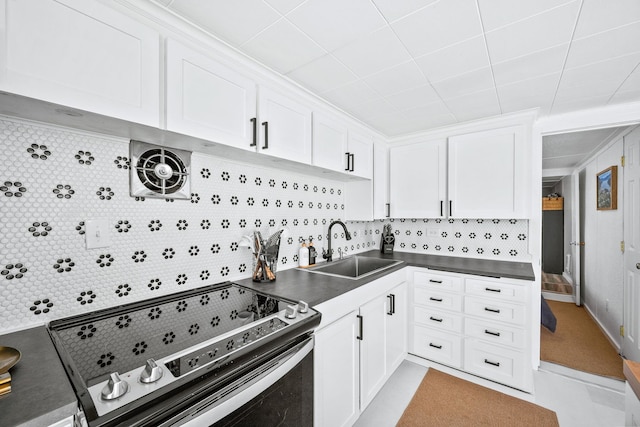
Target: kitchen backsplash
(53, 180)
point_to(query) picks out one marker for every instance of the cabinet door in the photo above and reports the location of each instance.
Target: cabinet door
(208, 100)
(329, 143)
(396, 327)
(483, 178)
(360, 149)
(373, 348)
(81, 54)
(336, 373)
(417, 180)
(380, 180)
(286, 127)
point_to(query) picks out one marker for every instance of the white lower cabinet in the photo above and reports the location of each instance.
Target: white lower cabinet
(356, 355)
(478, 325)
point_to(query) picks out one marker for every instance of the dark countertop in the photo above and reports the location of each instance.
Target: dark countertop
(40, 391)
(297, 284)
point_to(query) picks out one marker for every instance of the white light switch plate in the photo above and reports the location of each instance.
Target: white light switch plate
(96, 233)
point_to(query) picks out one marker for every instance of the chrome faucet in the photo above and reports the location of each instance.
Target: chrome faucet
(328, 254)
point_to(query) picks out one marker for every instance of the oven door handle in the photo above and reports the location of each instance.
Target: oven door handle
(207, 413)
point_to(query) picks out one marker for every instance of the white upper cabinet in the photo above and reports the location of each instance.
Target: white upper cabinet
(381, 204)
(338, 148)
(330, 139)
(418, 180)
(208, 100)
(486, 174)
(285, 127)
(83, 55)
(360, 155)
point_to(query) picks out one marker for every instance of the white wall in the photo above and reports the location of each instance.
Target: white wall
(567, 193)
(603, 271)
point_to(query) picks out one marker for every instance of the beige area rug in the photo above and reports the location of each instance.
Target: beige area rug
(556, 283)
(578, 343)
(444, 400)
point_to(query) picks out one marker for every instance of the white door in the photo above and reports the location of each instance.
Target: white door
(631, 340)
(396, 324)
(418, 180)
(285, 127)
(576, 239)
(329, 143)
(208, 100)
(336, 373)
(373, 358)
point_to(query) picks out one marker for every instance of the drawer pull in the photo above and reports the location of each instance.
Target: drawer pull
(492, 310)
(488, 332)
(493, 290)
(489, 362)
(435, 299)
(435, 281)
(439, 347)
(435, 319)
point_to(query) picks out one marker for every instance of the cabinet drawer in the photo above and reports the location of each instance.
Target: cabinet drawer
(495, 310)
(443, 347)
(504, 291)
(496, 333)
(438, 319)
(438, 281)
(496, 363)
(437, 299)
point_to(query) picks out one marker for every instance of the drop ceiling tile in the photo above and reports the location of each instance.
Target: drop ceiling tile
(225, 19)
(579, 104)
(498, 13)
(284, 6)
(335, 23)
(373, 52)
(625, 96)
(464, 84)
(597, 16)
(530, 66)
(539, 32)
(351, 95)
(323, 74)
(438, 25)
(616, 70)
(603, 46)
(396, 79)
(395, 9)
(579, 143)
(413, 98)
(283, 47)
(569, 93)
(456, 59)
(428, 117)
(475, 105)
(374, 108)
(527, 94)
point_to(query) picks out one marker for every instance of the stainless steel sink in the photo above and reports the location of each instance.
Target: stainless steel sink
(353, 267)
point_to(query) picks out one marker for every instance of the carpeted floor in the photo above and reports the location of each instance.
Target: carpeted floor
(444, 400)
(578, 343)
(556, 283)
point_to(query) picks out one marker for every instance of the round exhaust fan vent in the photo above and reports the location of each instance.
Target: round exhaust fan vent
(159, 171)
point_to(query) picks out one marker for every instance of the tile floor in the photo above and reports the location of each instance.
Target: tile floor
(579, 400)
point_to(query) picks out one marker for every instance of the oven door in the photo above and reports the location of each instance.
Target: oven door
(278, 393)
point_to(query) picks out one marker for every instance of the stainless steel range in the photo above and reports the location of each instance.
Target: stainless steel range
(199, 357)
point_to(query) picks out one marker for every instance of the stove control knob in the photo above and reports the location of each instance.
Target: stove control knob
(290, 312)
(151, 373)
(303, 307)
(115, 387)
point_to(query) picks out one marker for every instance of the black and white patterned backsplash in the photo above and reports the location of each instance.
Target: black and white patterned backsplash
(53, 180)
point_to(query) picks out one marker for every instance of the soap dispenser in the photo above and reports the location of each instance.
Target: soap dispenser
(303, 255)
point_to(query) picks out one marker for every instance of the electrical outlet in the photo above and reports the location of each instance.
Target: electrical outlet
(96, 233)
(433, 232)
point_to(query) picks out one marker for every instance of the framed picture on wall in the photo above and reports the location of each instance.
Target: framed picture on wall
(607, 189)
